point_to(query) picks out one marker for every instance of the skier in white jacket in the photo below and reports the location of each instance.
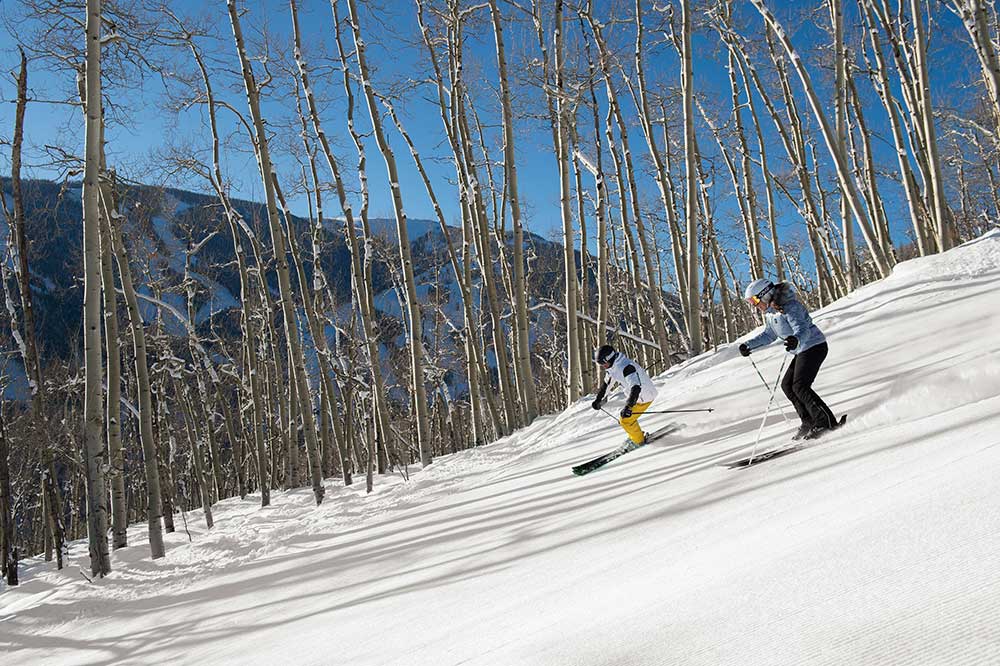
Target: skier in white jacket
(639, 389)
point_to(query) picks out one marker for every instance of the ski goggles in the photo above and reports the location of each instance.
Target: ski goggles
(759, 298)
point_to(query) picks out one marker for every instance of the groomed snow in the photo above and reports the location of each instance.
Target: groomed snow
(877, 545)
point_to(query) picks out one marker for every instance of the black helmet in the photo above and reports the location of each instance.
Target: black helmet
(605, 354)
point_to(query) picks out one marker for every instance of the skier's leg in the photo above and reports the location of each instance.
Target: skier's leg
(631, 424)
(788, 389)
(807, 367)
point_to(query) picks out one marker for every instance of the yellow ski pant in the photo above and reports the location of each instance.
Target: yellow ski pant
(631, 424)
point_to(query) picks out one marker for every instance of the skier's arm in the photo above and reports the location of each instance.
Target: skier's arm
(765, 337)
(599, 400)
(633, 397)
(632, 380)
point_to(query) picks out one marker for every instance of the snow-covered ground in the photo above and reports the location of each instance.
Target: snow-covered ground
(877, 545)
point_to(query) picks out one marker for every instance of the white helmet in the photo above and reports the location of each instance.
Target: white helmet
(759, 288)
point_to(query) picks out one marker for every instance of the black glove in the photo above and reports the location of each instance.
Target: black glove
(791, 342)
(597, 404)
(626, 411)
(744, 350)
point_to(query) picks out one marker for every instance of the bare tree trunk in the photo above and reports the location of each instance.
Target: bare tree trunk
(8, 553)
(976, 21)
(879, 253)
(476, 364)
(296, 370)
(465, 161)
(562, 119)
(154, 500)
(519, 295)
(749, 211)
(840, 119)
(881, 83)
(867, 169)
(97, 502)
(691, 175)
(116, 453)
(942, 214)
(250, 362)
(197, 455)
(28, 346)
(413, 305)
(600, 184)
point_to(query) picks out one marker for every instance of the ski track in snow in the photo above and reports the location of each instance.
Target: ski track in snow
(879, 544)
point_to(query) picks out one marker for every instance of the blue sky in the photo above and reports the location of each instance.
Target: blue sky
(392, 36)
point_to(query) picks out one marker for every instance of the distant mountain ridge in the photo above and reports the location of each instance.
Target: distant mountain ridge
(163, 222)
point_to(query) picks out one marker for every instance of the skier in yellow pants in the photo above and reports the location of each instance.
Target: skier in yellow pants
(638, 386)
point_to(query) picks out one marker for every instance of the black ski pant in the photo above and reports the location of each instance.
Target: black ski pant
(797, 385)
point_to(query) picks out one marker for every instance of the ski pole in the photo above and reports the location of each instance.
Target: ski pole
(678, 411)
(611, 415)
(768, 409)
(764, 381)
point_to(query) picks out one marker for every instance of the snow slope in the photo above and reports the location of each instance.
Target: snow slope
(877, 545)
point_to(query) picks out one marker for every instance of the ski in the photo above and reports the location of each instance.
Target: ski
(779, 452)
(761, 457)
(627, 447)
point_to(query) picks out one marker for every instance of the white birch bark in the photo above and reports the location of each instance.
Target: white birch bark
(96, 454)
(691, 182)
(840, 120)
(296, 369)
(519, 295)
(154, 499)
(879, 253)
(975, 17)
(413, 305)
(574, 377)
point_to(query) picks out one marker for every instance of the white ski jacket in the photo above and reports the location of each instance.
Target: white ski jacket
(637, 376)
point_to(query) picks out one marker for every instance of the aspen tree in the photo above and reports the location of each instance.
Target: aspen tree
(662, 176)
(296, 369)
(248, 334)
(360, 275)
(97, 502)
(601, 205)
(154, 499)
(879, 253)
(793, 142)
(881, 82)
(561, 118)
(475, 364)
(116, 453)
(519, 293)
(985, 37)
(8, 553)
(621, 157)
(691, 176)
(840, 121)
(465, 161)
(749, 210)
(866, 166)
(735, 61)
(938, 204)
(746, 215)
(894, 29)
(200, 357)
(585, 346)
(28, 345)
(419, 398)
